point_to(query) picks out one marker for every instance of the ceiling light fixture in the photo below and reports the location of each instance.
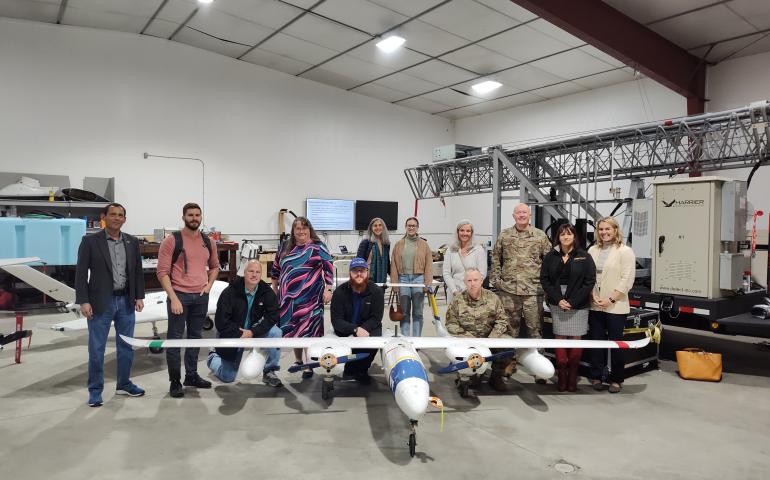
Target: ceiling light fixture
(205, 2)
(487, 86)
(391, 43)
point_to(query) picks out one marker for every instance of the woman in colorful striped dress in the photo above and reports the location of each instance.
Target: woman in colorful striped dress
(303, 278)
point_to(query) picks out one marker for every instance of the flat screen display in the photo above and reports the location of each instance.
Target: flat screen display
(330, 214)
(366, 210)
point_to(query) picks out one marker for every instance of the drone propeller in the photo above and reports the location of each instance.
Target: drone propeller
(475, 361)
(328, 361)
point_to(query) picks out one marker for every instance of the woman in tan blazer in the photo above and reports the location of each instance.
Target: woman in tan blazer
(615, 271)
(411, 262)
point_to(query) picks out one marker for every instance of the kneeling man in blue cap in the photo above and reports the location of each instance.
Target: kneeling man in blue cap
(356, 309)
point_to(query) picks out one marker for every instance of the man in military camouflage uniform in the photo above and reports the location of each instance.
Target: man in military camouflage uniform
(478, 313)
(516, 260)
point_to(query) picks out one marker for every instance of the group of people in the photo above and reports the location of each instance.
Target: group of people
(586, 292)
(525, 266)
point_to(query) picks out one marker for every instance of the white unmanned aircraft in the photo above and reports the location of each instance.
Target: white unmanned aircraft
(406, 374)
(154, 303)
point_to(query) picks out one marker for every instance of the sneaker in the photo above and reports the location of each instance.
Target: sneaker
(615, 388)
(540, 381)
(364, 379)
(132, 391)
(95, 399)
(270, 378)
(597, 385)
(176, 389)
(196, 381)
(307, 374)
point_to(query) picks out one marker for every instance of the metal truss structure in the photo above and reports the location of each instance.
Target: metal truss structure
(725, 140)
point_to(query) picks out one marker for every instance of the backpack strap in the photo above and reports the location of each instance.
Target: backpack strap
(179, 249)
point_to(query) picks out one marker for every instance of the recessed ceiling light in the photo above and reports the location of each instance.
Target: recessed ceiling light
(487, 86)
(391, 43)
(205, 2)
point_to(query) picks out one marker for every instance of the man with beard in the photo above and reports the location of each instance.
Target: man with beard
(356, 309)
(182, 262)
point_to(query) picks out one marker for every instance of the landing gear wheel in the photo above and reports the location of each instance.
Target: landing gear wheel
(412, 444)
(208, 324)
(156, 350)
(326, 390)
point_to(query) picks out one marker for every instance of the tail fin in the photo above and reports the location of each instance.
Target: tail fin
(51, 287)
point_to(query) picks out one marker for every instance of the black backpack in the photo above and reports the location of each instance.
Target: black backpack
(179, 249)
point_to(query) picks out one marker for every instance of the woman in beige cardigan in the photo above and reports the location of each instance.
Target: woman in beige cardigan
(411, 262)
(615, 271)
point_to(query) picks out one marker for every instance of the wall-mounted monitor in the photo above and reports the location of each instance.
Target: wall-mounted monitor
(366, 210)
(330, 214)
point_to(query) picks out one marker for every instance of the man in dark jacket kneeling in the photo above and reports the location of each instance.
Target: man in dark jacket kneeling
(247, 308)
(356, 309)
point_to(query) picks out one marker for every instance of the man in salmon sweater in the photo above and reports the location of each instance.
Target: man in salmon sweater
(187, 284)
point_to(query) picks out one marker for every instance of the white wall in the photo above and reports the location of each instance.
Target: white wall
(88, 102)
(738, 82)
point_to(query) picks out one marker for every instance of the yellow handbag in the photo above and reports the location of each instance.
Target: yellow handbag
(697, 364)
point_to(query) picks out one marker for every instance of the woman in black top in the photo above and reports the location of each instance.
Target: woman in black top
(568, 276)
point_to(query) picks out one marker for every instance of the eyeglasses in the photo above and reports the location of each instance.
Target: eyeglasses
(411, 226)
(359, 271)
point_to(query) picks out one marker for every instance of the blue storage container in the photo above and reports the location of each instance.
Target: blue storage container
(55, 241)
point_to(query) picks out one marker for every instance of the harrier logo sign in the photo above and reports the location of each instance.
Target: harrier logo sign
(683, 203)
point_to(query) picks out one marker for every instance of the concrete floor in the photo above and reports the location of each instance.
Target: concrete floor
(659, 427)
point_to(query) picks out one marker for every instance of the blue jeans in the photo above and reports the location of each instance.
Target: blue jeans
(195, 307)
(121, 311)
(412, 301)
(227, 370)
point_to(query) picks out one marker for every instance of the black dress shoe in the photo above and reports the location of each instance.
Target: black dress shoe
(364, 379)
(196, 381)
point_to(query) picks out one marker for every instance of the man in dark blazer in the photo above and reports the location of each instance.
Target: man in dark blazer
(112, 291)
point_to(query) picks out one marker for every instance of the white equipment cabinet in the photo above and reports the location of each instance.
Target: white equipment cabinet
(689, 234)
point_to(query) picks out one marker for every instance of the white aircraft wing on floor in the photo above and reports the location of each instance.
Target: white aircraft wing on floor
(51, 287)
(154, 310)
(419, 343)
(17, 261)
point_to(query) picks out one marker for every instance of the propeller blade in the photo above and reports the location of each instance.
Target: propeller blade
(474, 362)
(297, 368)
(329, 361)
(495, 356)
(352, 358)
(453, 367)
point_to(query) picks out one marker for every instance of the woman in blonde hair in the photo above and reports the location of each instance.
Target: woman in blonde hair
(461, 255)
(615, 271)
(375, 249)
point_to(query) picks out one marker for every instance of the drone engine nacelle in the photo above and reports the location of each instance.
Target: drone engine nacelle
(473, 356)
(532, 362)
(252, 365)
(327, 356)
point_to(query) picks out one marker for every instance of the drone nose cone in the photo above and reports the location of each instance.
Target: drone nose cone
(412, 396)
(252, 365)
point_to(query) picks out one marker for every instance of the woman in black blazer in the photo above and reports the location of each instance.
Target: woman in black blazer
(568, 275)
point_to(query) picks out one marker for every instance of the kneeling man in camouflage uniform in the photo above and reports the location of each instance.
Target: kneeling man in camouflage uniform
(479, 313)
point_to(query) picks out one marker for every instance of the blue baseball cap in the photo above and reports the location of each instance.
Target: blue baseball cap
(358, 262)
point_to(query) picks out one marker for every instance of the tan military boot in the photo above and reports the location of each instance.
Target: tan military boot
(497, 383)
